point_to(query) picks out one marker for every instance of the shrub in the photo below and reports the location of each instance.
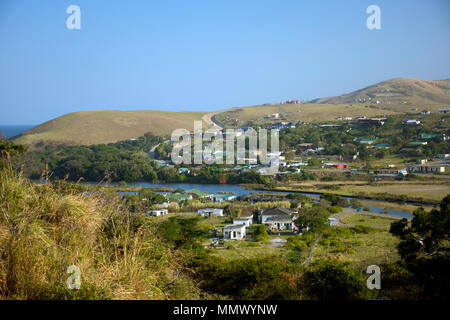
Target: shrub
(334, 209)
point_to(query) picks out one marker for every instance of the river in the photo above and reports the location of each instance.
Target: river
(239, 191)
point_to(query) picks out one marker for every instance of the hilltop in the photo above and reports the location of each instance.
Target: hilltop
(399, 90)
(97, 127)
(390, 97)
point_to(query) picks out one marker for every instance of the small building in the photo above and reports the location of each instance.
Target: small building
(371, 121)
(223, 197)
(391, 172)
(177, 197)
(332, 221)
(447, 110)
(382, 146)
(271, 212)
(422, 161)
(425, 169)
(184, 171)
(412, 122)
(157, 213)
(340, 165)
(366, 141)
(425, 112)
(234, 232)
(247, 220)
(444, 155)
(418, 143)
(196, 194)
(427, 135)
(210, 212)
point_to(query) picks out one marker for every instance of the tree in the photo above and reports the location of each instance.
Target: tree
(260, 233)
(355, 203)
(424, 248)
(332, 281)
(315, 218)
(182, 232)
(332, 198)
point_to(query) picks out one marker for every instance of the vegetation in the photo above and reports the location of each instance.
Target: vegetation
(106, 126)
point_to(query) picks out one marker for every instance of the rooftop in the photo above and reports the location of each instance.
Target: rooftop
(234, 226)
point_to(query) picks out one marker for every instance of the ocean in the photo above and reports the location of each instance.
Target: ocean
(13, 130)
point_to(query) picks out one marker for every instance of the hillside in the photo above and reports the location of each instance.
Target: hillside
(247, 116)
(399, 90)
(95, 127)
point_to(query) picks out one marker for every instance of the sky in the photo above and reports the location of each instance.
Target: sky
(205, 55)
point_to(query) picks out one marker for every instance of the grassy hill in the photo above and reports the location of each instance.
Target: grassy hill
(94, 127)
(308, 112)
(397, 91)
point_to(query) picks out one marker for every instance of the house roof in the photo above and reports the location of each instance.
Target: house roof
(279, 219)
(244, 218)
(197, 192)
(280, 211)
(234, 226)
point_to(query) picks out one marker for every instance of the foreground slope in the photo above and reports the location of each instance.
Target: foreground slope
(96, 127)
(399, 90)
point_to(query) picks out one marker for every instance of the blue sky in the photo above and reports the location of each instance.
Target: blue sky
(208, 55)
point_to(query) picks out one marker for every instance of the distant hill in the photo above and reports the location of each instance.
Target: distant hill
(399, 90)
(95, 127)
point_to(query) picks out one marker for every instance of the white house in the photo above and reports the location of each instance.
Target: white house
(210, 212)
(278, 223)
(234, 232)
(412, 122)
(272, 212)
(158, 212)
(425, 169)
(332, 221)
(247, 220)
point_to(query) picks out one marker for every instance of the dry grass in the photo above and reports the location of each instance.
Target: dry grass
(96, 127)
(43, 231)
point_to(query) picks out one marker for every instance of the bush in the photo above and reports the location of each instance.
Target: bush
(334, 209)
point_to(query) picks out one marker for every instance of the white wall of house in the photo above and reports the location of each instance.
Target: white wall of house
(211, 212)
(234, 233)
(157, 213)
(246, 221)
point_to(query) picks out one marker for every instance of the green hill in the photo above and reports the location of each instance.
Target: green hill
(95, 127)
(247, 116)
(397, 91)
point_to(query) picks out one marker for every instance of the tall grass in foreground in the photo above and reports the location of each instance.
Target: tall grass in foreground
(43, 230)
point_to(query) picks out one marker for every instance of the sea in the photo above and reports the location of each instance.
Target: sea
(13, 130)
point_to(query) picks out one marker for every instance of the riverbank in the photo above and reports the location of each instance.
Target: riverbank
(406, 192)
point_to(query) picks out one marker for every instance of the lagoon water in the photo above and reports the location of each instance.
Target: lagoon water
(239, 191)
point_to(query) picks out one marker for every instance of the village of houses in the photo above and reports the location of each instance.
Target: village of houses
(437, 165)
(277, 219)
